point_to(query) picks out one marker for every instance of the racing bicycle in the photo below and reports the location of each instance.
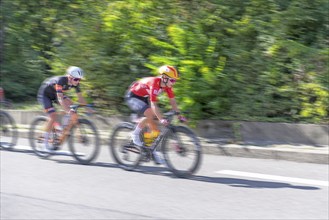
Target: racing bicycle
(8, 131)
(178, 144)
(82, 136)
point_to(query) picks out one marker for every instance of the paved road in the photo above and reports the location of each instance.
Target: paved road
(224, 188)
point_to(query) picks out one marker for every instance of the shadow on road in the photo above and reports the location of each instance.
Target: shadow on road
(163, 171)
(238, 182)
(233, 182)
(18, 150)
(96, 164)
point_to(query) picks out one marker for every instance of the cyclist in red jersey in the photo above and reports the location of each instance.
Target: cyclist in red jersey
(51, 91)
(2, 95)
(142, 99)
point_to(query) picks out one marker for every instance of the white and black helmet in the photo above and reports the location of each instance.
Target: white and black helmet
(75, 72)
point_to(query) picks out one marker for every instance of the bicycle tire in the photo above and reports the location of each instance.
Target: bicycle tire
(103, 120)
(185, 145)
(8, 129)
(120, 143)
(36, 133)
(88, 134)
(6, 104)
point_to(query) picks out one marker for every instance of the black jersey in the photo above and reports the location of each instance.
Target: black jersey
(58, 84)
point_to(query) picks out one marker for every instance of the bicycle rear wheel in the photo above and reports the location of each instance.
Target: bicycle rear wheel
(84, 141)
(36, 137)
(8, 131)
(122, 149)
(182, 151)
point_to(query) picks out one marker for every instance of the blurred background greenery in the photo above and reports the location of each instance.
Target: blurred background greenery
(264, 60)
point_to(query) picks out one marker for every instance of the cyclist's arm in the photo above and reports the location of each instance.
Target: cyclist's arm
(172, 99)
(173, 104)
(175, 108)
(81, 100)
(153, 92)
(60, 97)
(156, 110)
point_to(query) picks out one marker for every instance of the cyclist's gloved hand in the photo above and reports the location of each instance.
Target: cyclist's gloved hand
(165, 122)
(181, 118)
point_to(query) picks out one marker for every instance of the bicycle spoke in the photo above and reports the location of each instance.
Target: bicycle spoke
(123, 150)
(84, 141)
(182, 152)
(8, 131)
(36, 137)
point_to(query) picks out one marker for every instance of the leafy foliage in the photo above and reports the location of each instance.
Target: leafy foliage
(242, 59)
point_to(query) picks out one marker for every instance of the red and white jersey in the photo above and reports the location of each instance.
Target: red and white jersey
(150, 87)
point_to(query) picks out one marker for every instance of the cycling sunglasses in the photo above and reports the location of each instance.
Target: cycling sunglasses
(165, 80)
(172, 80)
(76, 79)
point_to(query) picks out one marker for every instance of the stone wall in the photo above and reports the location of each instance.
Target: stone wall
(259, 133)
(265, 132)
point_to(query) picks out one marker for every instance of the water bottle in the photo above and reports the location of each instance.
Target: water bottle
(148, 138)
(155, 134)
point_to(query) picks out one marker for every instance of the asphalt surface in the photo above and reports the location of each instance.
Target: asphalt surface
(223, 188)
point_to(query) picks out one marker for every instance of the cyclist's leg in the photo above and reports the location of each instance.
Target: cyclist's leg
(149, 114)
(47, 104)
(70, 116)
(67, 102)
(151, 123)
(138, 106)
(51, 112)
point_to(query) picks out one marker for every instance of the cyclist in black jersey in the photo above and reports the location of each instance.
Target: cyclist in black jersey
(51, 91)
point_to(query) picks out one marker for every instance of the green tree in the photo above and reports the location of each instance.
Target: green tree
(242, 59)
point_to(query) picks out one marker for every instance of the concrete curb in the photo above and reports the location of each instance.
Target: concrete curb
(306, 154)
(300, 153)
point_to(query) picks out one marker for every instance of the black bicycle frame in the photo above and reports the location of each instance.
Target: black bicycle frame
(157, 141)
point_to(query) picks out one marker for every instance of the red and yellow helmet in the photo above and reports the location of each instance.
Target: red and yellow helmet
(169, 71)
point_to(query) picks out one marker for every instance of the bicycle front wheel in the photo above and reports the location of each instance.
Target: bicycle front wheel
(8, 131)
(84, 141)
(123, 150)
(182, 151)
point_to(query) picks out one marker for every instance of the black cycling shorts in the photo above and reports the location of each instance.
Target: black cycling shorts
(137, 103)
(46, 101)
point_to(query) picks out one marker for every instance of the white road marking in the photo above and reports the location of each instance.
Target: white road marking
(21, 147)
(273, 177)
(59, 152)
